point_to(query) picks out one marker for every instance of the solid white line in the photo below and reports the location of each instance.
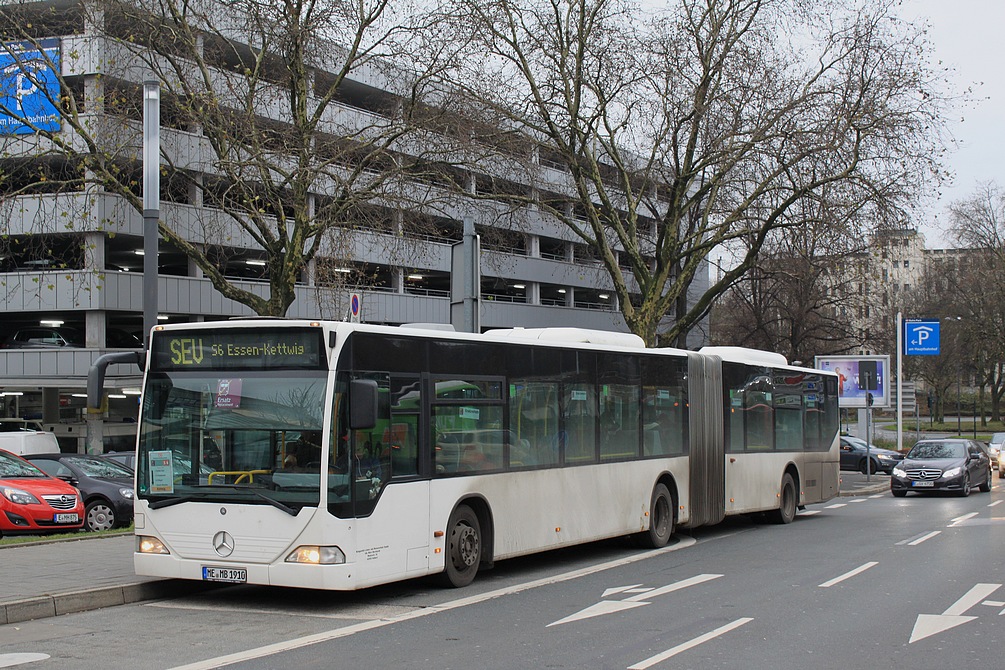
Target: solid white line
(921, 539)
(278, 647)
(848, 575)
(658, 658)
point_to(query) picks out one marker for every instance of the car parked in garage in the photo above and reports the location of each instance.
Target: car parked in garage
(106, 486)
(948, 464)
(33, 502)
(855, 457)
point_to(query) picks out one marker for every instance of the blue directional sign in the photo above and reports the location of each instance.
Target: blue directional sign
(29, 87)
(921, 338)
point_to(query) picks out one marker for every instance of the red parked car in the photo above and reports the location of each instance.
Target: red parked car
(33, 502)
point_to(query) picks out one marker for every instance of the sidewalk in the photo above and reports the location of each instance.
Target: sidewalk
(855, 484)
(46, 579)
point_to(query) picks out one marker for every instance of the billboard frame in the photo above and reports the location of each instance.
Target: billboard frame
(851, 389)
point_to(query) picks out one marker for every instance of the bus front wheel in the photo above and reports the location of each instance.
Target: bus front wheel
(661, 518)
(464, 548)
(787, 501)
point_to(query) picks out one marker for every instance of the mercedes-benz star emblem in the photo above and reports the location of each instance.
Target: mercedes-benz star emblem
(223, 542)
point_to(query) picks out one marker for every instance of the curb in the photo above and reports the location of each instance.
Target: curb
(881, 487)
(41, 607)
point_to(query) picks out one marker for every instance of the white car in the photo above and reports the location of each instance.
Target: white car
(995, 447)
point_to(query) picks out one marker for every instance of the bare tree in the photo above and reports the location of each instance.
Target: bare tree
(978, 225)
(803, 295)
(275, 135)
(679, 132)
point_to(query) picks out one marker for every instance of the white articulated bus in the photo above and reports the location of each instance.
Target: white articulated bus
(335, 455)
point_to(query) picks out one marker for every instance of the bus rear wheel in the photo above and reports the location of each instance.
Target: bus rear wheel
(661, 518)
(787, 501)
(464, 548)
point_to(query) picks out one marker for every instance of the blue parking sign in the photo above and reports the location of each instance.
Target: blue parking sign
(29, 87)
(921, 338)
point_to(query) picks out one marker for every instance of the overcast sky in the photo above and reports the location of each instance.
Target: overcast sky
(967, 36)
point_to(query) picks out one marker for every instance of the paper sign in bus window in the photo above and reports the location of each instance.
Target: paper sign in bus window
(161, 472)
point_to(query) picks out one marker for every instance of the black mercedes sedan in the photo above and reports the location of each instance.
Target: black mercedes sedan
(948, 464)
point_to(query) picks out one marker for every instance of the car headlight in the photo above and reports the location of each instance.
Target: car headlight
(885, 457)
(952, 472)
(18, 497)
(899, 472)
(126, 493)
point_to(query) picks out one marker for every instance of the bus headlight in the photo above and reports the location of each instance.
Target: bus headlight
(316, 555)
(146, 544)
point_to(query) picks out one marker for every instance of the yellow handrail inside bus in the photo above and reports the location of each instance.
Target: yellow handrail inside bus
(250, 474)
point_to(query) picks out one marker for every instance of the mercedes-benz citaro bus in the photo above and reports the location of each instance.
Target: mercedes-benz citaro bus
(335, 455)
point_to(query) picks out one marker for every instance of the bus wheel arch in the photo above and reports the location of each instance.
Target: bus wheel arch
(788, 497)
(468, 542)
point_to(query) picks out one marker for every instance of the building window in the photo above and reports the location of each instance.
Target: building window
(907, 264)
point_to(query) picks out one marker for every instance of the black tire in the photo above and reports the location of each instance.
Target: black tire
(898, 493)
(788, 500)
(662, 516)
(99, 515)
(985, 487)
(1001, 474)
(965, 490)
(864, 465)
(464, 548)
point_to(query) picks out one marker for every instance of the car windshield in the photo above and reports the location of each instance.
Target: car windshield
(99, 467)
(938, 450)
(12, 467)
(997, 439)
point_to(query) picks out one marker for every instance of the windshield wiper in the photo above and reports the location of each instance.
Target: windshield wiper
(157, 504)
(167, 502)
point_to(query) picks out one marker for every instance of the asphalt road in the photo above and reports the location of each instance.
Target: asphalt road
(859, 582)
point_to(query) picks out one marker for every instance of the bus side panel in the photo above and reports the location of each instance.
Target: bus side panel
(547, 509)
(753, 480)
(394, 541)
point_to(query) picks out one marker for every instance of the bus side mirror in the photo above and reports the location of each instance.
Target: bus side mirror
(362, 404)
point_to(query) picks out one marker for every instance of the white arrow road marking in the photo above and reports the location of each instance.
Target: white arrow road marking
(931, 624)
(619, 589)
(612, 606)
(10, 660)
(658, 658)
(960, 519)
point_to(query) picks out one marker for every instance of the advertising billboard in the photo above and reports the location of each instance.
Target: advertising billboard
(859, 376)
(28, 87)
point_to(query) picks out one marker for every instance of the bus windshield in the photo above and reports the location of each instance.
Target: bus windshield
(248, 437)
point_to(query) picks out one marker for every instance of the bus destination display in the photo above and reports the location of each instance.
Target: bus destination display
(243, 349)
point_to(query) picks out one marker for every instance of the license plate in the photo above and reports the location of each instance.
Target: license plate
(922, 484)
(233, 575)
(65, 518)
